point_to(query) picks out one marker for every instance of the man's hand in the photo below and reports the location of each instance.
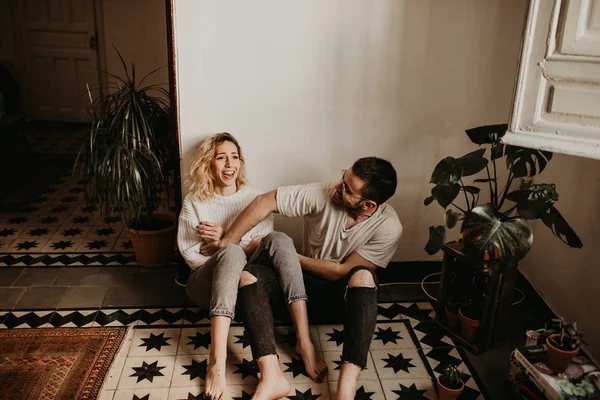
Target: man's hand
(253, 245)
(210, 248)
(209, 231)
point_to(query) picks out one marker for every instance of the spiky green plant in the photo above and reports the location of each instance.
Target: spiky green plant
(129, 155)
(451, 377)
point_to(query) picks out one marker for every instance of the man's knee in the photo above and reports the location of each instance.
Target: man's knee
(246, 278)
(277, 238)
(362, 278)
(232, 253)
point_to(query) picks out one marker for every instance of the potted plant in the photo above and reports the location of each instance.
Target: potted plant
(495, 228)
(450, 384)
(563, 341)
(129, 159)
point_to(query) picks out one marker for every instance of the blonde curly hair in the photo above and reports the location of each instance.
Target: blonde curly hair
(202, 180)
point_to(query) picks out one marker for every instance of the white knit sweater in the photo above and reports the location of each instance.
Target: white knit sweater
(221, 210)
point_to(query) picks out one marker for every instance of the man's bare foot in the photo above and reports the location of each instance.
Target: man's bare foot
(216, 386)
(271, 387)
(313, 363)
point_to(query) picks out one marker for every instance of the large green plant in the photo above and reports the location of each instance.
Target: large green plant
(498, 227)
(128, 157)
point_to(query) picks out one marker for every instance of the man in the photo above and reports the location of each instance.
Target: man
(349, 232)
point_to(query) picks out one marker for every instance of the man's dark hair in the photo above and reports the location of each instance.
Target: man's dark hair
(379, 176)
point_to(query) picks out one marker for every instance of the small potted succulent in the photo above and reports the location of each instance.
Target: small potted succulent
(563, 340)
(450, 384)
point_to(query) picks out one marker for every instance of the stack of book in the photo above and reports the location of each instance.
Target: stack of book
(531, 378)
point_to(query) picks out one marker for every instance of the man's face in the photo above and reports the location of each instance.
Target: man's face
(348, 191)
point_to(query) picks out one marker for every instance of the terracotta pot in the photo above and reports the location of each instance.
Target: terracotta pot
(154, 248)
(452, 319)
(446, 393)
(468, 327)
(559, 359)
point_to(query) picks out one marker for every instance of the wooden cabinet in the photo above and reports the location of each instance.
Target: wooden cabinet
(557, 96)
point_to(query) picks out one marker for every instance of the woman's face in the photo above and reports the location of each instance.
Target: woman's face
(226, 164)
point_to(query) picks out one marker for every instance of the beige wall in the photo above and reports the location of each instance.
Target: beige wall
(309, 86)
(569, 279)
(138, 28)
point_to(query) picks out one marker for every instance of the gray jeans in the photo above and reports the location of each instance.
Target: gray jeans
(214, 285)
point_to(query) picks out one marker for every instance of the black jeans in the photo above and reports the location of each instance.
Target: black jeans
(328, 302)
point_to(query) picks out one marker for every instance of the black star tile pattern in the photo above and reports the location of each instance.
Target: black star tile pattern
(49, 220)
(196, 369)
(6, 232)
(442, 356)
(155, 341)
(68, 199)
(146, 397)
(308, 395)
(190, 396)
(200, 340)
(290, 339)
(296, 367)
(410, 393)
(362, 394)
(72, 232)
(147, 371)
(398, 363)
(111, 220)
(88, 209)
(97, 244)
(336, 336)
(27, 245)
(39, 232)
(80, 220)
(247, 368)
(105, 231)
(17, 220)
(62, 245)
(127, 245)
(387, 335)
(59, 209)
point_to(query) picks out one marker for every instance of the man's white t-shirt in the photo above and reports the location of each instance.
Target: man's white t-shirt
(325, 236)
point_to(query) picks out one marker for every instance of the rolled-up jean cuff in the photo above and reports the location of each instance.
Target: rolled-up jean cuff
(345, 360)
(224, 313)
(298, 297)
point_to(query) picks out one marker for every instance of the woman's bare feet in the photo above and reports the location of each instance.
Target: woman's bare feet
(313, 363)
(273, 384)
(216, 386)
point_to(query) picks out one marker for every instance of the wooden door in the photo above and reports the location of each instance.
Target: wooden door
(58, 57)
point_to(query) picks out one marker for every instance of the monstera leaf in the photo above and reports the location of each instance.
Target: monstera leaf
(446, 172)
(533, 201)
(522, 162)
(486, 234)
(437, 237)
(561, 229)
(487, 133)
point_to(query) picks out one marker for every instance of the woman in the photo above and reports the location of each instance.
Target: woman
(217, 195)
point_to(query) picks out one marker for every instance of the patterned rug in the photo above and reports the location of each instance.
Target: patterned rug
(67, 363)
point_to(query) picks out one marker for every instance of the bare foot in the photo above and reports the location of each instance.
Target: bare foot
(272, 387)
(216, 387)
(313, 363)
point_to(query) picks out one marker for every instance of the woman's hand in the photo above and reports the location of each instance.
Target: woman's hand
(209, 231)
(253, 245)
(210, 248)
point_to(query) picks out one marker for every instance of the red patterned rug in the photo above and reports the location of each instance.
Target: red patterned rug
(64, 363)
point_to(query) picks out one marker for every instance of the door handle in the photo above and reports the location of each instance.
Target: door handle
(93, 42)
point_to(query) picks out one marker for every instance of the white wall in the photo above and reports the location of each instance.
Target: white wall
(310, 86)
(567, 278)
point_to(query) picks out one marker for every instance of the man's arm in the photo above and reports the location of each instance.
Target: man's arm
(333, 271)
(251, 216)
